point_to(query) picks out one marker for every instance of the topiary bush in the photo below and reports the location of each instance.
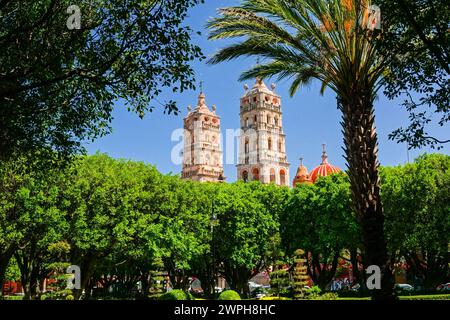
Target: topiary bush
(176, 295)
(229, 295)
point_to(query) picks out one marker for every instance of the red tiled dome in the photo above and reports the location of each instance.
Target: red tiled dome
(324, 169)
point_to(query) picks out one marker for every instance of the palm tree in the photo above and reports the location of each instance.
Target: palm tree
(327, 40)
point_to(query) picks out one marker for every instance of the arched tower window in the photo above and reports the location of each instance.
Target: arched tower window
(255, 119)
(276, 121)
(269, 143)
(282, 177)
(246, 122)
(268, 119)
(246, 146)
(245, 176)
(255, 173)
(272, 175)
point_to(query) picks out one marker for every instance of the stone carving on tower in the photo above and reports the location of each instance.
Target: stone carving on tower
(262, 149)
(202, 153)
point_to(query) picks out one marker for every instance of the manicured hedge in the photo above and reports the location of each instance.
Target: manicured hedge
(427, 297)
(176, 295)
(229, 295)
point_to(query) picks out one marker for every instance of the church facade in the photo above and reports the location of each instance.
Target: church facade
(262, 142)
(202, 151)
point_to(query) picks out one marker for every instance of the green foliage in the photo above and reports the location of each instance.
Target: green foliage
(428, 297)
(229, 295)
(123, 222)
(318, 218)
(314, 292)
(417, 205)
(157, 278)
(325, 296)
(279, 280)
(13, 271)
(13, 298)
(416, 43)
(70, 297)
(245, 234)
(176, 295)
(124, 50)
(300, 275)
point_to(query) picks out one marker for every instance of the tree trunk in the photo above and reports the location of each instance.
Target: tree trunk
(86, 273)
(361, 150)
(355, 266)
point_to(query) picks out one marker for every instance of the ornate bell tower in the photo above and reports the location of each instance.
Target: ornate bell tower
(262, 149)
(202, 153)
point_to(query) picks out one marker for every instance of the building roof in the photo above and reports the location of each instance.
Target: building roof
(324, 169)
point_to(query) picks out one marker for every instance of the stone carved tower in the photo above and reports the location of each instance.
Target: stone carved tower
(262, 149)
(202, 153)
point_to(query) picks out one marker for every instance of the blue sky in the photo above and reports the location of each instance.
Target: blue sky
(309, 118)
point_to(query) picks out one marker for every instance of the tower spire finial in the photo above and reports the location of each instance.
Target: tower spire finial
(201, 96)
(301, 162)
(324, 154)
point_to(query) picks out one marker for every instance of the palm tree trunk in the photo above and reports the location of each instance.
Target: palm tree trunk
(361, 149)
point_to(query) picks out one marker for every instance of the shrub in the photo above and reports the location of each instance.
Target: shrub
(70, 297)
(43, 297)
(176, 295)
(328, 296)
(275, 298)
(313, 293)
(12, 298)
(427, 297)
(229, 295)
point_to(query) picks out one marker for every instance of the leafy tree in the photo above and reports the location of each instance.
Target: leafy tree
(319, 219)
(416, 42)
(30, 218)
(58, 86)
(418, 220)
(244, 234)
(104, 198)
(328, 41)
(181, 233)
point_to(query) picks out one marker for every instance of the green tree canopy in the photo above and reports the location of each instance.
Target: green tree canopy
(417, 199)
(416, 43)
(319, 220)
(59, 86)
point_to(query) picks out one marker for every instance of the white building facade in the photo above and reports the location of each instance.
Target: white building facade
(262, 142)
(202, 152)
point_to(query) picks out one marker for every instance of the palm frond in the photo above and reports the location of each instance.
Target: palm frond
(303, 40)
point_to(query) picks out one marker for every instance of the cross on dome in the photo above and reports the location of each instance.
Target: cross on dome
(324, 154)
